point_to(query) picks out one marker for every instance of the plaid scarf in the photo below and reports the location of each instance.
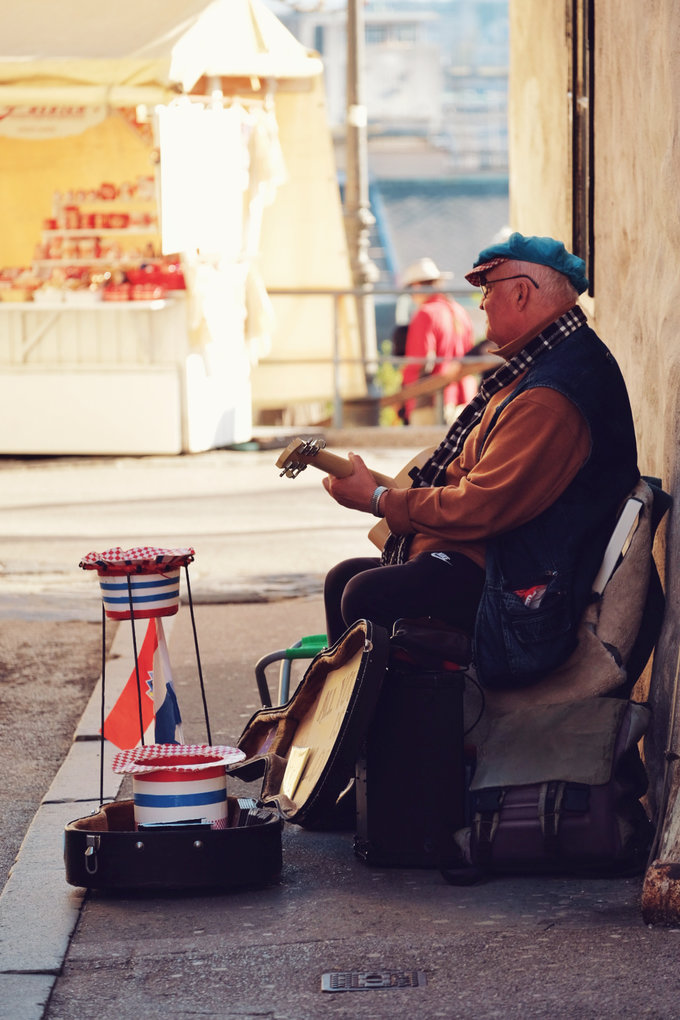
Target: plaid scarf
(433, 472)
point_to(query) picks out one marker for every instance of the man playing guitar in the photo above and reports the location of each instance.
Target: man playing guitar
(503, 528)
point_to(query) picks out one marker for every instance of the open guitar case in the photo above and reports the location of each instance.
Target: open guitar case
(304, 752)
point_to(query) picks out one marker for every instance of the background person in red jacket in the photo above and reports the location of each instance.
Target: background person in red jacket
(440, 329)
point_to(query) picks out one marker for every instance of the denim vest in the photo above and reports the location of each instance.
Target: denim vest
(517, 644)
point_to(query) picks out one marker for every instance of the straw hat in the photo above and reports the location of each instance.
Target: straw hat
(423, 271)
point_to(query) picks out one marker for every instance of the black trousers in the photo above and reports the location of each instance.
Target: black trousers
(444, 585)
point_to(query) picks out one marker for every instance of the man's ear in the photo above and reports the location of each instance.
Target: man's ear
(523, 294)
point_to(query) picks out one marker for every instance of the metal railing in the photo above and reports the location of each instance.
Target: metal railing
(372, 363)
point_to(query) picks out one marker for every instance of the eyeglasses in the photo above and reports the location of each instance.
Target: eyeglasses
(486, 286)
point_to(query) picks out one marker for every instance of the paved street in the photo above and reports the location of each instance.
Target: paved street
(249, 527)
(510, 947)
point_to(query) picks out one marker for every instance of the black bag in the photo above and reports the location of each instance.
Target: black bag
(413, 754)
(557, 789)
(374, 724)
(410, 775)
(399, 340)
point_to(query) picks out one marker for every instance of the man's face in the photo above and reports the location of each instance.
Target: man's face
(420, 299)
(500, 306)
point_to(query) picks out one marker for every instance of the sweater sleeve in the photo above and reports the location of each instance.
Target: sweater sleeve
(539, 443)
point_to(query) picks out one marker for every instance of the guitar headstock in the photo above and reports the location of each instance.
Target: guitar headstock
(298, 455)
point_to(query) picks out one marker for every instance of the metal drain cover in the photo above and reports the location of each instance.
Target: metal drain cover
(356, 981)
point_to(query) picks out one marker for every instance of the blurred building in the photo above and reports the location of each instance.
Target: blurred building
(435, 85)
(435, 71)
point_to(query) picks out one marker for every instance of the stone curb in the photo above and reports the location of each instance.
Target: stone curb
(38, 909)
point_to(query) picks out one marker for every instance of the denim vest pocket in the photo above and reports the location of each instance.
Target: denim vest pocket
(517, 644)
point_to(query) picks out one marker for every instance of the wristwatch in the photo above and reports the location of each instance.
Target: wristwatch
(375, 500)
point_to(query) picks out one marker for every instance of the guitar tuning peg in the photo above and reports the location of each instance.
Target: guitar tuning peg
(312, 446)
(292, 470)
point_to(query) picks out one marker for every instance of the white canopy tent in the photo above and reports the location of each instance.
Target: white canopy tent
(92, 62)
(139, 51)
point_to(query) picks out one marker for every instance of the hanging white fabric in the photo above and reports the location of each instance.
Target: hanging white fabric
(203, 176)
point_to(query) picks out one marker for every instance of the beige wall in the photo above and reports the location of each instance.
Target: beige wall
(637, 220)
(539, 127)
(637, 154)
(636, 306)
(637, 227)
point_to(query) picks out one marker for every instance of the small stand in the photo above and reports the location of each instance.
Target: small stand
(110, 849)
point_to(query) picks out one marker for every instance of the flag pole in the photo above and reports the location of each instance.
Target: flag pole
(198, 657)
(103, 712)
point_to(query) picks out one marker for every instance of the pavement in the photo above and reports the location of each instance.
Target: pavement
(519, 947)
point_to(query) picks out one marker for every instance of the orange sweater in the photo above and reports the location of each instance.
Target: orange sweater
(538, 445)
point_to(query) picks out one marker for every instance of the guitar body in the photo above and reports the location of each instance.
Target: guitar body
(300, 453)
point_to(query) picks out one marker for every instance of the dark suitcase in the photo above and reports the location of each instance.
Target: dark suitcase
(558, 789)
(386, 712)
(410, 775)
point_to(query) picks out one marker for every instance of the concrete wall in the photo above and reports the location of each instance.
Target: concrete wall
(539, 128)
(636, 303)
(637, 230)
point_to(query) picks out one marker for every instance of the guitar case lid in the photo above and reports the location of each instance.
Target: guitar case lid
(306, 750)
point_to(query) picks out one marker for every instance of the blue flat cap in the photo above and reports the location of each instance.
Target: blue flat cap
(545, 251)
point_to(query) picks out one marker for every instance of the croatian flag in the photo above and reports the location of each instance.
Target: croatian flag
(156, 692)
(168, 728)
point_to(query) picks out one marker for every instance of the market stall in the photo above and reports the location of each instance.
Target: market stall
(145, 154)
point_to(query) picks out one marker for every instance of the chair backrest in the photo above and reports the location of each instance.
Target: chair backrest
(655, 602)
(619, 543)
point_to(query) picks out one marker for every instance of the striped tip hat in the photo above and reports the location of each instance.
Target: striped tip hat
(545, 251)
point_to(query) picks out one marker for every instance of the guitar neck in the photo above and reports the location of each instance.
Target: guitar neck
(299, 454)
(341, 467)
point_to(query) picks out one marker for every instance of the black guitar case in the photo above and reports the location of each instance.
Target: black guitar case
(104, 851)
